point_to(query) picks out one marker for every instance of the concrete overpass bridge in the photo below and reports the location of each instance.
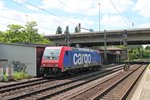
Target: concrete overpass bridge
(111, 37)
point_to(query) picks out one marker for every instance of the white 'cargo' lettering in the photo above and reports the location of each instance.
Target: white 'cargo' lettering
(81, 59)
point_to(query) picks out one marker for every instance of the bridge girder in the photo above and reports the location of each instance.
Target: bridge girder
(114, 37)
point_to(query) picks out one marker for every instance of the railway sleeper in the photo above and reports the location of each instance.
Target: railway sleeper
(119, 91)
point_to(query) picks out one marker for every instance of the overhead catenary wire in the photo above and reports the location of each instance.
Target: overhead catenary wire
(17, 21)
(19, 4)
(39, 8)
(72, 10)
(128, 18)
(121, 7)
(64, 4)
(119, 13)
(47, 11)
(25, 15)
(13, 20)
(44, 10)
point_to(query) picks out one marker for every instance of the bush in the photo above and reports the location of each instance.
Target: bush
(5, 77)
(20, 75)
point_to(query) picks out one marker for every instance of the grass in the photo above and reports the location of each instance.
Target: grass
(17, 76)
(20, 75)
(5, 77)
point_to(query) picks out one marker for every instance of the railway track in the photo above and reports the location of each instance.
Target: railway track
(12, 87)
(116, 87)
(54, 87)
(20, 83)
(121, 89)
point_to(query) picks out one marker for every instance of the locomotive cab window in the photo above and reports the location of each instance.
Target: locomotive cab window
(51, 54)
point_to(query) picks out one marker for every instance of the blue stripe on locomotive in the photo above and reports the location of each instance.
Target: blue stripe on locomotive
(76, 58)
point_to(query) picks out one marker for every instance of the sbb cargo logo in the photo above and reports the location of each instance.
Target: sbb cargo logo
(81, 59)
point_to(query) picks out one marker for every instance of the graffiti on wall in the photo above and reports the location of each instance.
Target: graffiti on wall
(18, 66)
(4, 64)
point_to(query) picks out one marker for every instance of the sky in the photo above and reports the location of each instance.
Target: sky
(49, 14)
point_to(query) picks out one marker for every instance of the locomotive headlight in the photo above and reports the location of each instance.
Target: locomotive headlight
(55, 65)
(43, 64)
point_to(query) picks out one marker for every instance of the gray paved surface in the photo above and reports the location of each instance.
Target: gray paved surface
(143, 90)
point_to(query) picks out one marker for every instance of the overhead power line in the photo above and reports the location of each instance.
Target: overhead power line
(47, 11)
(33, 6)
(25, 14)
(39, 8)
(64, 4)
(17, 21)
(119, 13)
(50, 12)
(121, 7)
(128, 18)
(44, 10)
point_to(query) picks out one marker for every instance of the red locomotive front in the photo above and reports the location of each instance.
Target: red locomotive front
(52, 60)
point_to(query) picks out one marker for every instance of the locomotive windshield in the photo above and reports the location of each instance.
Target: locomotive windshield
(51, 54)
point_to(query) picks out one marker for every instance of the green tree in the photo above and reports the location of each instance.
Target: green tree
(146, 54)
(76, 29)
(59, 30)
(67, 30)
(31, 31)
(32, 35)
(1, 36)
(147, 48)
(14, 34)
(28, 33)
(67, 35)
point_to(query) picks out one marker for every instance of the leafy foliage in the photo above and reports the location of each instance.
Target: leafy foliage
(147, 48)
(67, 35)
(5, 77)
(1, 36)
(19, 34)
(14, 34)
(139, 53)
(59, 30)
(67, 30)
(76, 29)
(20, 75)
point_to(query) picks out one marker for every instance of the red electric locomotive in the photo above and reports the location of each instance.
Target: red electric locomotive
(62, 58)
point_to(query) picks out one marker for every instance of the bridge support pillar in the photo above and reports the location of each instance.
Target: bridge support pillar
(125, 44)
(105, 48)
